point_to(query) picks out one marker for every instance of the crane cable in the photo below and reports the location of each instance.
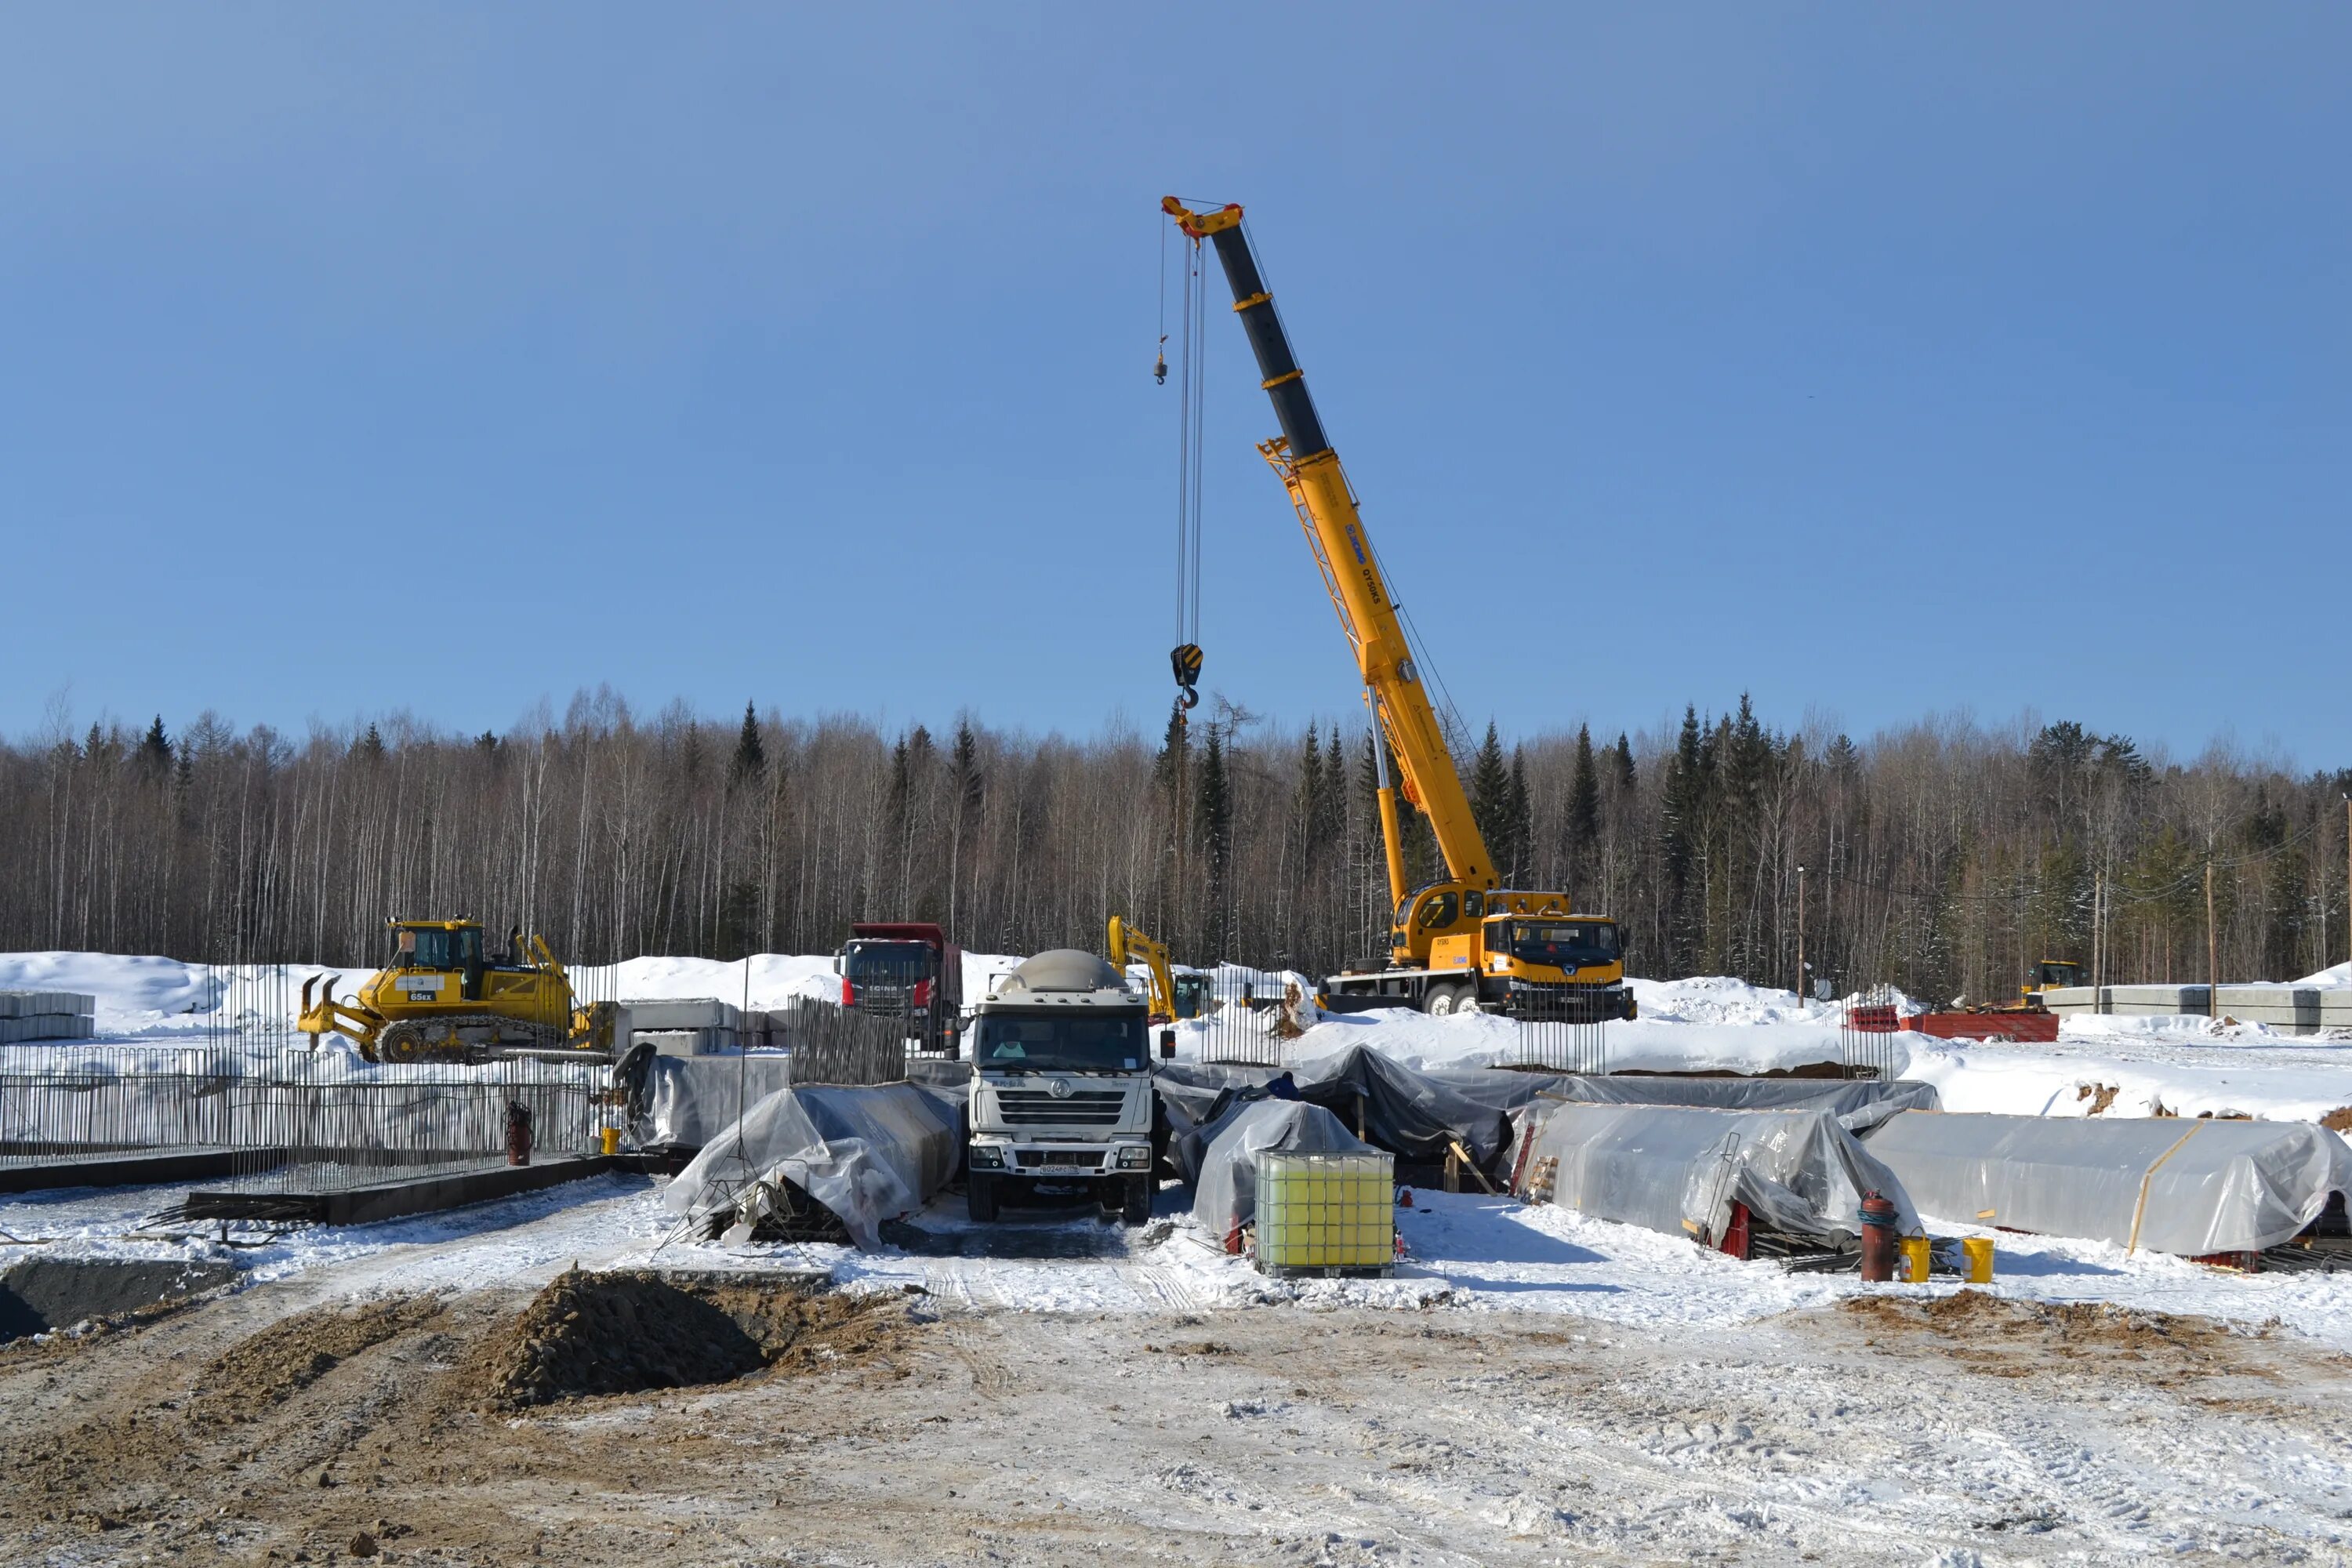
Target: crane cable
(1184, 659)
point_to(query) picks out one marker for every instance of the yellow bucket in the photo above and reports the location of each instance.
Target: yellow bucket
(1978, 1250)
(611, 1139)
(1914, 1260)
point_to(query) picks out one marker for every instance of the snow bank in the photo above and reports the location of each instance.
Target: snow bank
(2026, 1082)
(1648, 1045)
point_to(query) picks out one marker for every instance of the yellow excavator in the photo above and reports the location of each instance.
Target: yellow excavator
(1173, 995)
(443, 998)
(1464, 942)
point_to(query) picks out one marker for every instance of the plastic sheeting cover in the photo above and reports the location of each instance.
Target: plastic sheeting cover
(1227, 1192)
(2212, 1186)
(868, 1155)
(1411, 1112)
(691, 1100)
(1679, 1169)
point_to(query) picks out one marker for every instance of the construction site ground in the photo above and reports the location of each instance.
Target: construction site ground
(1534, 1388)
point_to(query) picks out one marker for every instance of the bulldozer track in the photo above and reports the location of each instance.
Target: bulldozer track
(442, 1040)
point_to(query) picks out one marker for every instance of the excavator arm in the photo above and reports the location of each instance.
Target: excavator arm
(1129, 945)
(1404, 717)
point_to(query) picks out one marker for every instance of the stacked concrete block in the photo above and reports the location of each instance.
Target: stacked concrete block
(694, 1026)
(46, 1015)
(2289, 1009)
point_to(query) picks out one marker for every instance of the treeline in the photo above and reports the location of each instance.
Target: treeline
(1944, 857)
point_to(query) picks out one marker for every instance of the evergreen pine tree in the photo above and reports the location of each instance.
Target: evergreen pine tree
(1168, 766)
(156, 749)
(1308, 805)
(1490, 789)
(1621, 764)
(1583, 798)
(964, 767)
(369, 747)
(1212, 821)
(751, 754)
(1681, 811)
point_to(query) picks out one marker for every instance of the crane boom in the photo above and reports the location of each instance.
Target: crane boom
(1310, 471)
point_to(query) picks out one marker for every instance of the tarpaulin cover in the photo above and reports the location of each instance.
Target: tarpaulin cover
(2210, 1185)
(1227, 1192)
(868, 1155)
(688, 1100)
(1859, 1104)
(1413, 1113)
(1679, 1169)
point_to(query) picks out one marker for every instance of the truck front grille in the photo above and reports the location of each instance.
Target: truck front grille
(1084, 1159)
(1036, 1108)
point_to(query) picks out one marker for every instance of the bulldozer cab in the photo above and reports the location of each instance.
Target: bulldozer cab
(449, 947)
(2055, 972)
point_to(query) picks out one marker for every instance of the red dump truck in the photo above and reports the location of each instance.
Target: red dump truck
(906, 969)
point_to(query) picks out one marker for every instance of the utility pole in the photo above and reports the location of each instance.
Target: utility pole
(2212, 951)
(2099, 926)
(2348, 862)
(1804, 984)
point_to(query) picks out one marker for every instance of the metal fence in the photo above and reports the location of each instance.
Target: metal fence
(1560, 1034)
(1867, 1022)
(281, 1112)
(839, 1045)
(1238, 1017)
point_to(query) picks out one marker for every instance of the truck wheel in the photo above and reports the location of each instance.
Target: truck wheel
(1136, 1209)
(1438, 1001)
(980, 1199)
(1467, 1002)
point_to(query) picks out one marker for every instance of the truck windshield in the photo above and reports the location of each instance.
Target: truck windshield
(1568, 943)
(890, 962)
(1018, 1043)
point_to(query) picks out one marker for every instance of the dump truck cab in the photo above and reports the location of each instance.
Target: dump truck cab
(905, 969)
(1061, 1087)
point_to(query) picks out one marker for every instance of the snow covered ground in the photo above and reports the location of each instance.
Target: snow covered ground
(1466, 1254)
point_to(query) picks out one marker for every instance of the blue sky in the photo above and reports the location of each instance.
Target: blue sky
(1881, 361)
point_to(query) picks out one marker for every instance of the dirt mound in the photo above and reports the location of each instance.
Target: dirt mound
(283, 1360)
(2006, 1338)
(634, 1329)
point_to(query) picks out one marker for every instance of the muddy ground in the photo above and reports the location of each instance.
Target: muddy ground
(493, 1426)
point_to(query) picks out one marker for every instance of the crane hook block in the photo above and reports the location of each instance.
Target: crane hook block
(1185, 659)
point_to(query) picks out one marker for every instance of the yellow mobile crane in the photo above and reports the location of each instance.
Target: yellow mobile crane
(1464, 942)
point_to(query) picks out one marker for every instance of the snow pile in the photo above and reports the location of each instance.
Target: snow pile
(1646, 1044)
(2340, 975)
(2286, 1084)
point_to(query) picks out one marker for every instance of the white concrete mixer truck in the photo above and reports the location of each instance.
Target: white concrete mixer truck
(1061, 1087)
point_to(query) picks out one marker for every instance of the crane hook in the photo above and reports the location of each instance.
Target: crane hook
(1159, 371)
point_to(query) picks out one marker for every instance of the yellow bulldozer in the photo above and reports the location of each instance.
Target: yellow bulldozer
(442, 998)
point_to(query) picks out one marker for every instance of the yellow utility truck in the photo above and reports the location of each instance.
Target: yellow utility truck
(444, 997)
(1463, 942)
